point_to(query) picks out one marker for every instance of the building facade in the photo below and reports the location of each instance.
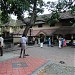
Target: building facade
(63, 28)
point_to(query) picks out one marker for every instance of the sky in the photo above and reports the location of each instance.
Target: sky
(45, 12)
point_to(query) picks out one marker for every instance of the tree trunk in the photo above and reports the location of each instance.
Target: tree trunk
(32, 20)
(26, 30)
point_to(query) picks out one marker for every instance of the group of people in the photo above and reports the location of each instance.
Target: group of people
(23, 41)
(62, 42)
(49, 43)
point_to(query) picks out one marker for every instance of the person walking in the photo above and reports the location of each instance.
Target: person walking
(23, 41)
(1, 45)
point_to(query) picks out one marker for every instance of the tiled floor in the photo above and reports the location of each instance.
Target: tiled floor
(20, 66)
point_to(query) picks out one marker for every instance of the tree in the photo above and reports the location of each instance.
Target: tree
(51, 20)
(0, 12)
(19, 7)
(56, 8)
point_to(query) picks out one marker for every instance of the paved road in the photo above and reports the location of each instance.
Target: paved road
(53, 54)
(66, 54)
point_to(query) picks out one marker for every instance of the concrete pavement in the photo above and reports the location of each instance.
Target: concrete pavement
(51, 54)
(66, 54)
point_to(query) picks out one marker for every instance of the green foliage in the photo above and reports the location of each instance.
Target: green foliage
(4, 17)
(0, 17)
(18, 7)
(73, 10)
(56, 8)
(54, 18)
(62, 4)
(13, 6)
(55, 15)
(73, 25)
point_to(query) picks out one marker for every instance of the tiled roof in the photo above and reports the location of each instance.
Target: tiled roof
(47, 32)
(66, 15)
(33, 32)
(65, 30)
(41, 18)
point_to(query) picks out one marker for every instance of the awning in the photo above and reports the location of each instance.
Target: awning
(47, 32)
(33, 32)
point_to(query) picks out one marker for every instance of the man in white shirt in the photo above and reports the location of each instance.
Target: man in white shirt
(23, 45)
(1, 45)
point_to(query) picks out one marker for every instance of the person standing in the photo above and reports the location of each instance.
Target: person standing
(60, 42)
(41, 42)
(1, 45)
(38, 41)
(34, 40)
(64, 43)
(23, 41)
(49, 41)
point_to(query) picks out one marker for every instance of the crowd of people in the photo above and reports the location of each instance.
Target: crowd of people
(40, 41)
(61, 42)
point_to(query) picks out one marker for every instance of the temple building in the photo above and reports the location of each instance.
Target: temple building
(62, 28)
